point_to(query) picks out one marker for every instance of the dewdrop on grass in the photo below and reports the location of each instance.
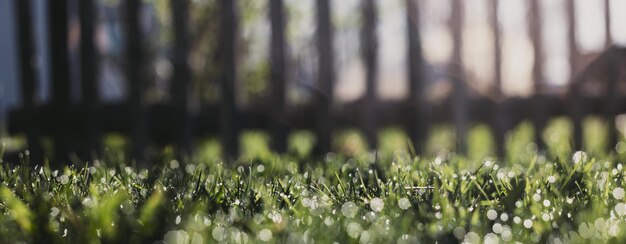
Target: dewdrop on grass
(618, 193)
(546, 203)
(276, 217)
(349, 209)
(491, 238)
(579, 157)
(365, 237)
(54, 211)
(459, 232)
(492, 214)
(536, 197)
(551, 179)
(528, 223)
(219, 233)
(88, 202)
(404, 203)
(488, 163)
(64, 179)
(328, 221)
(506, 234)
(497, 228)
(504, 217)
(620, 209)
(174, 164)
(471, 237)
(377, 204)
(190, 168)
(438, 160)
(354, 229)
(265, 235)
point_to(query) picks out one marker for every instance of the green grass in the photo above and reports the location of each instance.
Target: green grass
(352, 195)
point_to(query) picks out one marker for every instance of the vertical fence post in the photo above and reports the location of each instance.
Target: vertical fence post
(89, 78)
(539, 113)
(59, 71)
(229, 129)
(418, 128)
(279, 128)
(136, 76)
(578, 110)
(26, 52)
(459, 103)
(611, 101)
(613, 77)
(499, 120)
(28, 73)
(369, 50)
(326, 76)
(182, 75)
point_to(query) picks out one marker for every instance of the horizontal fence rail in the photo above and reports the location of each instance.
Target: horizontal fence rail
(78, 127)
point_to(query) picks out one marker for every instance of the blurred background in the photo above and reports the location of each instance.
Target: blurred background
(412, 64)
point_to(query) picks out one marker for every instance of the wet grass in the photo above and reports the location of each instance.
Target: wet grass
(353, 195)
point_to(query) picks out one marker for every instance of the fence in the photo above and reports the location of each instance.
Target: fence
(79, 127)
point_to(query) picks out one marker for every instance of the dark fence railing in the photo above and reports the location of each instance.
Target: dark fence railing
(78, 127)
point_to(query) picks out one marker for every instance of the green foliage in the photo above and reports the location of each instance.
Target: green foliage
(353, 195)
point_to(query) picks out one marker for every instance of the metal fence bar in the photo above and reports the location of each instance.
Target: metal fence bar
(499, 121)
(89, 79)
(28, 73)
(277, 78)
(539, 114)
(136, 78)
(182, 76)
(611, 101)
(229, 127)
(573, 52)
(418, 124)
(613, 78)
(369, 51)
(59, 71)
(326, 77)
(460, 88)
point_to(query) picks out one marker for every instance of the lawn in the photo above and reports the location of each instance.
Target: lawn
(352, 195)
